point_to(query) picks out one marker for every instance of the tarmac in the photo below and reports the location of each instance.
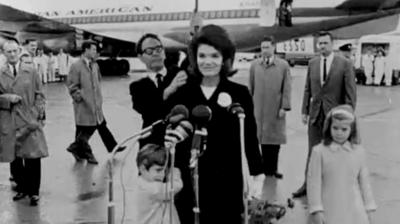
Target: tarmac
(77, 193)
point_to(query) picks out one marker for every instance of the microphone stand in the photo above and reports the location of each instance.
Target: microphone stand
(245, 169)
(111, 203)
(171, 179)
(194, 166)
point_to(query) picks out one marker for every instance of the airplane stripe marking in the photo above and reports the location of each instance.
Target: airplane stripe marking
(219, 14)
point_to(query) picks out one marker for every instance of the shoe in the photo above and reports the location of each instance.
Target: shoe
(75, 153)
(13, 183)
(301, 192)
(278, 175)
(19, 196)
(90, 158)
(34, 200)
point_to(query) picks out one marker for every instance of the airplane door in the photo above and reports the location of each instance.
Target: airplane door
(267, 13)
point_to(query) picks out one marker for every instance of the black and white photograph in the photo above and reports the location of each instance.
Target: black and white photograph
(199, 111)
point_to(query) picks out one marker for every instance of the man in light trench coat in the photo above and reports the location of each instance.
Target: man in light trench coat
(270, 86)
(84, 87)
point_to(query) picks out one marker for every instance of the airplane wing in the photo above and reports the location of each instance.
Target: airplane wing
(371, 5)
(54, 35)
(247, 38)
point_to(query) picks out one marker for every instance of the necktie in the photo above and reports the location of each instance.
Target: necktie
(90, 66)
(324, 72)
(14, 70)
(159, 80)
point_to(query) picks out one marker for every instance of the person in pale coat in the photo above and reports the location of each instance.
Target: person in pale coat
(338, 183)
(380, 67)
(367, 64)
(153, 191)
(84, 87)
(53, 66)
(30, 145)
(64, 62)
(42, 62)
(270, 86)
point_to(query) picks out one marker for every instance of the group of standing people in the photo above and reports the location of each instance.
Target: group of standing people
(51, 68)
(328, 110)
(375, 68)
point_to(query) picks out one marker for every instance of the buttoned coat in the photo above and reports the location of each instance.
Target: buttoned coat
(7, 128)
(270, 86)
(29, 139)
(84, 87)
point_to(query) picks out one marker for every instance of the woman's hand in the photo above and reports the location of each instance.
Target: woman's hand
(317, 218)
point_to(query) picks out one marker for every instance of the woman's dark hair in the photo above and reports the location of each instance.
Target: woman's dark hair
(218, 38)
(152, 154)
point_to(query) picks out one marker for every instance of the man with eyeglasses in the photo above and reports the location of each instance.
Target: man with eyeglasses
(149, 93)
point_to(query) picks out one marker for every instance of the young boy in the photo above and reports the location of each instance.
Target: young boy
(153, 190)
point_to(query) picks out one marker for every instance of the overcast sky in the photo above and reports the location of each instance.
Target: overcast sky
(48, 5)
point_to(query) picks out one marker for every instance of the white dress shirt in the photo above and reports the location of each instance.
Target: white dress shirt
(152, 75)
(329, 60)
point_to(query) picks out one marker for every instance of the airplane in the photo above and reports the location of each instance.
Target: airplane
(117, 28)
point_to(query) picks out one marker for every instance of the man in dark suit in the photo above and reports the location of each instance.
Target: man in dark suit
(330, 82)
(149, 93)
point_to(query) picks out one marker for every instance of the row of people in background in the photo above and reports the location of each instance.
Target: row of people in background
(375, 67)
(51, 67)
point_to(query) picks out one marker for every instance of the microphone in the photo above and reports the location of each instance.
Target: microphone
(201, 115)
(179, 133)
(236, 108)
(177, 114)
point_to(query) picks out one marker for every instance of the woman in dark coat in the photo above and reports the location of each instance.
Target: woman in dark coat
(220, 170)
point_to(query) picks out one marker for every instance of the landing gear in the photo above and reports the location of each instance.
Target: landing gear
(114, 67)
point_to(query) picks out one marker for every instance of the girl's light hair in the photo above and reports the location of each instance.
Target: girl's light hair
(341, 113)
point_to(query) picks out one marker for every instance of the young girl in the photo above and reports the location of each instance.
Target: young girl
(338, 183)
(153, 189)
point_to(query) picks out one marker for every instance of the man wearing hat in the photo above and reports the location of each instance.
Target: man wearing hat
(346, 51)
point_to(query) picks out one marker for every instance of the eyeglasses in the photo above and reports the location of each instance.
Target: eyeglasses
(151, 50)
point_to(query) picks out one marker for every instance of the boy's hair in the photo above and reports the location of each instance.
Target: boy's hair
(152, 154)
(341, 113)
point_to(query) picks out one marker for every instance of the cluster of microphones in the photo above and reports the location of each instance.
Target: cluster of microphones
(178, 128)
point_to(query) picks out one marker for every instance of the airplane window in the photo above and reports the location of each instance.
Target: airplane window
(239, 14)
(205, 15)
(174, 16)
(246, 13)
(187, 15)
(212, 15)
(219, 14)
(232, 14)
(225, 14)
(253, 13)
(163, 16)
(181, 16)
